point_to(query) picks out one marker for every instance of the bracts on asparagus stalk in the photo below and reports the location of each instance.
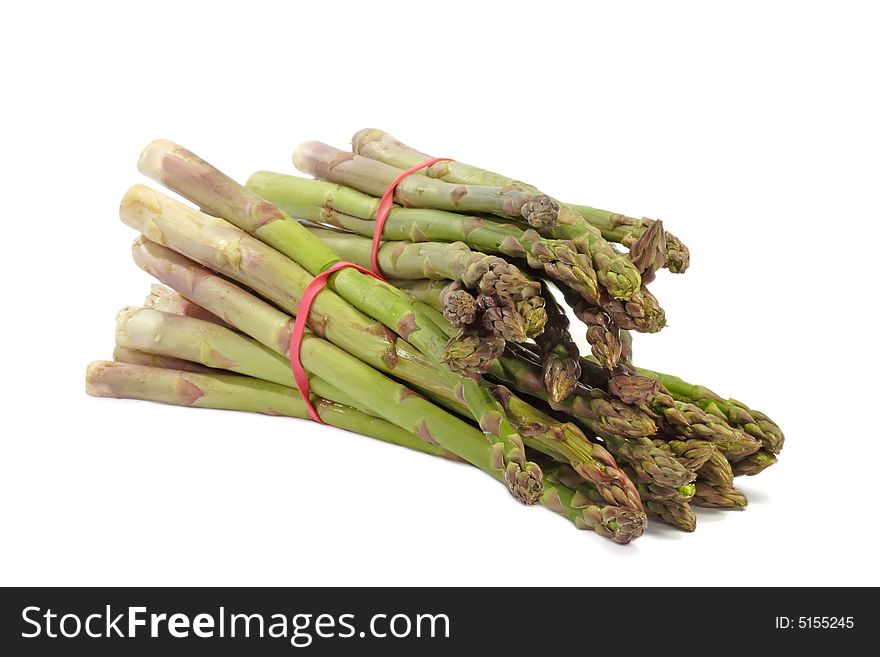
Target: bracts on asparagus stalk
(560, 358)
(649, 462)
(648, 252)
(478, 341)
(716, 469)
(753, 463)
(565, 442)
(719, 496)
(567, 493)
(678, 514)
(692, 454)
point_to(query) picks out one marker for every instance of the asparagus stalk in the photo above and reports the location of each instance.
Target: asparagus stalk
(628, 230)
(186, 338)
(350, 210)
(654, 492)
(623, 381)
(603, 335)
(239, 393)
(480, 320)
(565, 442)
(716, 469)
(492, 276)
(734, 412)
(677, 419)
(419, 191)
(650, 463)
(719, 496)
(684, 420)
(205, 185)
(167, 300)
(387, 398)
(648, 252)
(620, 524)
(614, 227)
(472, 350)
(581, 494)
(134, 357)
(594, 409)
(460, 307)
(692, 454)
(753, 463)
(671, 506)
(678, 514)
(640, 312)
(560, 358)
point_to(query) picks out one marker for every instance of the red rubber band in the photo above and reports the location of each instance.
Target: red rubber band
(299, 326)
(385, 204)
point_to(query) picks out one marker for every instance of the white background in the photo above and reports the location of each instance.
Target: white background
(751, 129)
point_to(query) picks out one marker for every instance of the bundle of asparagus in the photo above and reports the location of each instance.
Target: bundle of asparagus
(465, 352)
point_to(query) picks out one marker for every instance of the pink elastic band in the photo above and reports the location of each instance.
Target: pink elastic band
(299, 326)
(385, 204)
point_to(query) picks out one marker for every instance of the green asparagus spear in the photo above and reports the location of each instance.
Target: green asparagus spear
(678, 514)
(753, 463)
(581, 502)
(419, 191)
(628, 230)
(649, 462)
(620, 524)
(734, 412)
(565, 442)
(594, 409)
(672, 509)
(560, 358)
(649, 491)
(719, 496)
(648, 252)
(692, 454)
(716, 469)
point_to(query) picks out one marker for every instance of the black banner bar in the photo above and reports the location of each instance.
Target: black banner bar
(435, 621)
